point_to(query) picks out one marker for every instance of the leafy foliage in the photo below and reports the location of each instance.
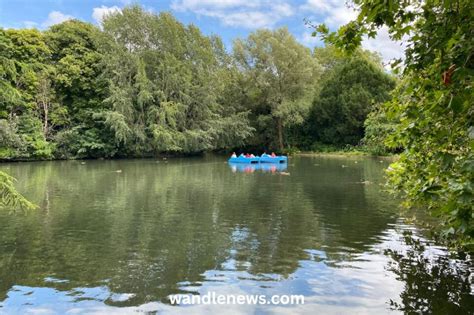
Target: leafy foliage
(144, 84)
(9, 196)
(22, 64)
(80, 89)
(278, 77)
(352, 88)
(164, 86)
(377, 127)
(433, 104)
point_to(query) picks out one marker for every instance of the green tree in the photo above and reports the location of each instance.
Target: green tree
(433, 105)
(165, 82)
(377, 128)
(351, 89)
(80, 89)
(23, 58)
(279, 77)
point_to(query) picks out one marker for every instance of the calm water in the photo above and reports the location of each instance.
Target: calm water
(121, 236)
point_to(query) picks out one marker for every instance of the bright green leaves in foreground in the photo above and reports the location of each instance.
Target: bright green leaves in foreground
(9, 197)
(433, 107)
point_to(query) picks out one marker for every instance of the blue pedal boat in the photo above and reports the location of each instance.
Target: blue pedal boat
(264, 167)
(265, 158)
(243, 159)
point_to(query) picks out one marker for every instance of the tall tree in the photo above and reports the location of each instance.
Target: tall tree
(80, 89)
(351, 88)
(165, 86)
(24, 55)
(281, 73)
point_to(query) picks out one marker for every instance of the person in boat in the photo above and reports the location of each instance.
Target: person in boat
(252, 156)
(233, 155)
(247, 155)
(273, 154)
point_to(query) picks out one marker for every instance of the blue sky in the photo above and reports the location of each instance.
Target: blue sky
(227, 18)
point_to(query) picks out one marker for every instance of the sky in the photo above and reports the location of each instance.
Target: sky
(229, 19)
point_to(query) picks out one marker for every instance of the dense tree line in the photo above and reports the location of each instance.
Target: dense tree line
(145, 84)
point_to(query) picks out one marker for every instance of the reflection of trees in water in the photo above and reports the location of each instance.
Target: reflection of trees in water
(346, 195)
(154, 225)
(434, 284)
(142, 230)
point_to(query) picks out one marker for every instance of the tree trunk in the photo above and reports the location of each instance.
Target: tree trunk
(45, 124)
(43, 100)
(280, 134)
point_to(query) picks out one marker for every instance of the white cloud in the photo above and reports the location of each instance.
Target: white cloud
(388, 48)
(339, 16)
(194, 5)
(246, 19)
(238, 13)
(30, 24)
(123, 2)
(317, 5)
(56, 17)
(336, 12)
(99, 13)
(309, 40)
(282, 9)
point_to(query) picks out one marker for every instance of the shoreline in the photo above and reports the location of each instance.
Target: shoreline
(335, 154)
(350, 154)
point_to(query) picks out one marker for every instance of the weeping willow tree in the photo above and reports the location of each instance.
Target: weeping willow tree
(9, 196)
(165, 80)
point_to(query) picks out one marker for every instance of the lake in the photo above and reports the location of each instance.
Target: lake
(121, 236)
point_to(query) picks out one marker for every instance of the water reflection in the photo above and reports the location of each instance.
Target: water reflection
(107, 241)
(435, 282)
(401, 272)
(264, 167)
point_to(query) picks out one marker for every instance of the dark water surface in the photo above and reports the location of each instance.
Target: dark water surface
(119, 237)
